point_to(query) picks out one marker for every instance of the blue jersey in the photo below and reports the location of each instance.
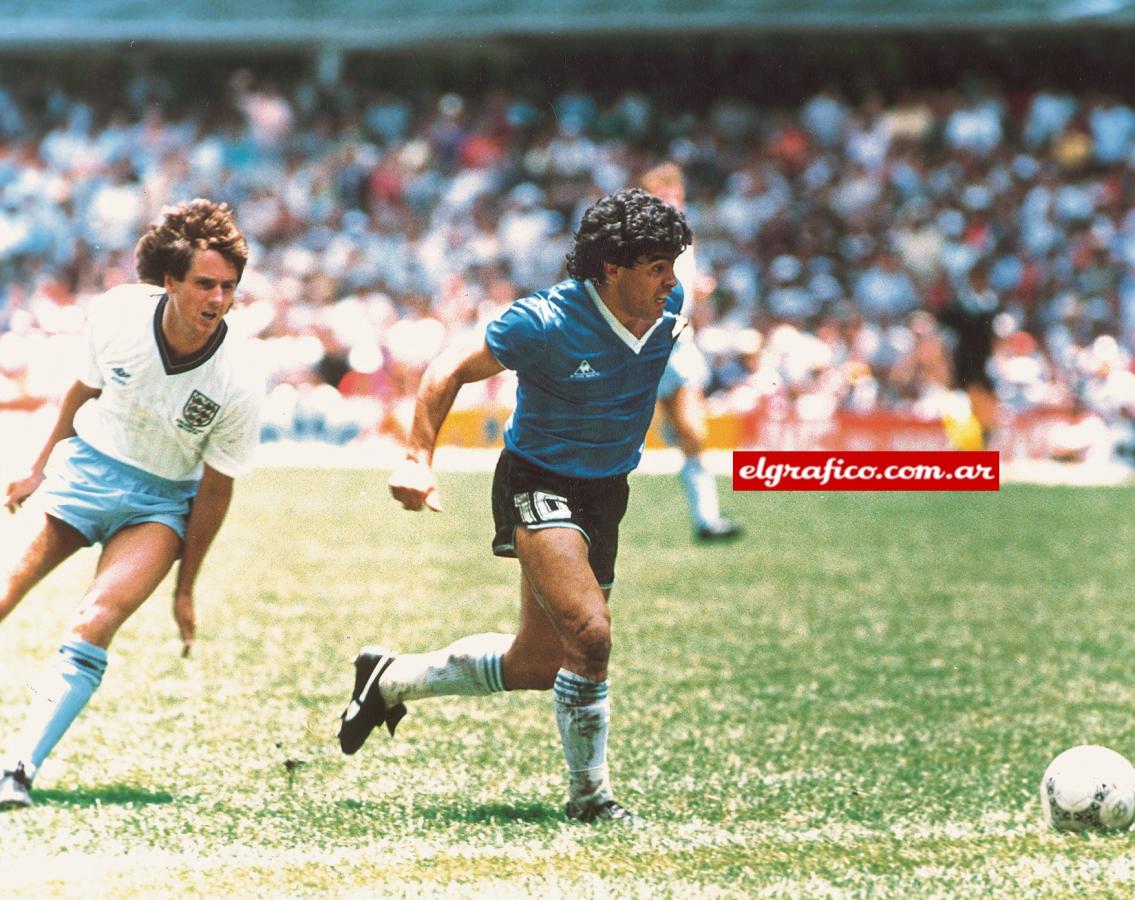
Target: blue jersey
(586, 386)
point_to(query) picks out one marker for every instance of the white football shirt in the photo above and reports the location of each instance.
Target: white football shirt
(158, 415)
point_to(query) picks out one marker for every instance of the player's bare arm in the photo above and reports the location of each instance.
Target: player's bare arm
(412, 483)
(18, 491)
(209, 509)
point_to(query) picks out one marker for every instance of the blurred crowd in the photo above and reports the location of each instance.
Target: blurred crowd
(851, 250)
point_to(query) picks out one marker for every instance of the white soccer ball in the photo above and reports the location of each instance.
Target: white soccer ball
(1089, 788)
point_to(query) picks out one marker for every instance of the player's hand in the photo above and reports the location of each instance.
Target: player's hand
(186, 619)
(19, 491)
(412, 484)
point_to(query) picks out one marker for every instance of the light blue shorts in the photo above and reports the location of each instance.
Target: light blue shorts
(686, 365)
(99, 496)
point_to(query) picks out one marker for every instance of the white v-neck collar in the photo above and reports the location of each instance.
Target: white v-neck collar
(621, 330)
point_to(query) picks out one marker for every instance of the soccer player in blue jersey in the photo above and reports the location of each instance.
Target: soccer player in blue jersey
(164, 415)
(588, 354)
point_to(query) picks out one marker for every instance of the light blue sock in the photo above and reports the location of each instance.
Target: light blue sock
(59, 697)
(583, 714)
(701, 492)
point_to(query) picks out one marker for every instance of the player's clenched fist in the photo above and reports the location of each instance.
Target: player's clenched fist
(413, 485)
(19, 491)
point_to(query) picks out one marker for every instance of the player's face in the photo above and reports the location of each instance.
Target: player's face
(641, 290)
(198, 302)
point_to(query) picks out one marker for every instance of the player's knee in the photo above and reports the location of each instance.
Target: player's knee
(590, 642)
(694, 446)
(97, 621)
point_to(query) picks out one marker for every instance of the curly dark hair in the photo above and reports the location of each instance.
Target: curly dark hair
(622, 227)
(167, 247)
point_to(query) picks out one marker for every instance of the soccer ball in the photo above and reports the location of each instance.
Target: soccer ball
(1089, 788)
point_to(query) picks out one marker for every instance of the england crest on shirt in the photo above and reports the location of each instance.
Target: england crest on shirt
(198, 412)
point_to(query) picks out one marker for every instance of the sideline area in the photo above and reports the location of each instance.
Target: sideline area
(21, 434)
(384, 454)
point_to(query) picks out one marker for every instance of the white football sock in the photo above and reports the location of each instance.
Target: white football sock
(469, 666)
(583, 714)
(701, 492)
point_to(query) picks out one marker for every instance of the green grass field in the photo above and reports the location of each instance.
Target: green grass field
(856, 700)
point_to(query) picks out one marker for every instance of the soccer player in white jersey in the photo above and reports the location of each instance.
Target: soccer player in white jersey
(681, 394)
(164, 415)
(588, 354)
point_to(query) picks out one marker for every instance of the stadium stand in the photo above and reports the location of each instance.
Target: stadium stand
(397, 209)
(370, 24)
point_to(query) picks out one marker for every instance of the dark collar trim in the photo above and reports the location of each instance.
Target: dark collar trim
(201, 357)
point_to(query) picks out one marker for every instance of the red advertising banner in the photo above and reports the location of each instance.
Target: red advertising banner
(866, 470)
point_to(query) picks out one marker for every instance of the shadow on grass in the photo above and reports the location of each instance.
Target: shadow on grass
(105, 795)
(485, 814)
(488, 813)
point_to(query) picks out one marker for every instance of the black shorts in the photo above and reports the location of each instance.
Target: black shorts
(526, 494)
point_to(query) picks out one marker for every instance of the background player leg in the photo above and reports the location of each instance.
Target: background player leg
(685, 412)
